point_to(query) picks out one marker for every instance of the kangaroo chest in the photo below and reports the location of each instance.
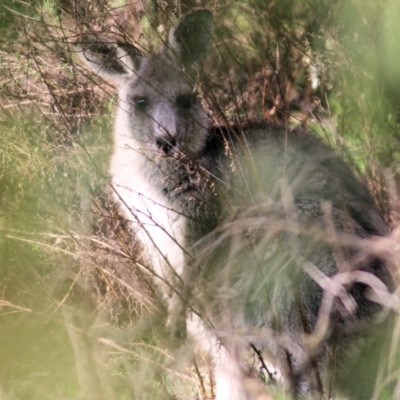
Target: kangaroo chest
(171, 203)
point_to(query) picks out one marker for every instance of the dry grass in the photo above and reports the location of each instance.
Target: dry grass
(79, 315)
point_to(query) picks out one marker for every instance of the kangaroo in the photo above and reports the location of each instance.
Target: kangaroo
(238, 222)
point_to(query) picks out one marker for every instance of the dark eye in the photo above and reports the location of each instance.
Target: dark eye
(186, 100)
(140, 103)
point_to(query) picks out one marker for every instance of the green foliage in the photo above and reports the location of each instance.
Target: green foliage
(63, 247)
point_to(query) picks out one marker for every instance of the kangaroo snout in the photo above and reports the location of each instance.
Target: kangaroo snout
(166, 143)
(165, 136)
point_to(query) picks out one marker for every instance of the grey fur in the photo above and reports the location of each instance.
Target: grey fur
(231, 217)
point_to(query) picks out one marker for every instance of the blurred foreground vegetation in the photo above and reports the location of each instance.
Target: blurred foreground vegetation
(78, 318)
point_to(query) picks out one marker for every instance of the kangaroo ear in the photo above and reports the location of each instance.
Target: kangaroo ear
(191, 40)
(113, 61)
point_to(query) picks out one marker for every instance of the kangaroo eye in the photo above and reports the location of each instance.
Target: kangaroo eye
(186, 100)
(141, 103)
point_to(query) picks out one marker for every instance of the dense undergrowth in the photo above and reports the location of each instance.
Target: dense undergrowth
(79, 316)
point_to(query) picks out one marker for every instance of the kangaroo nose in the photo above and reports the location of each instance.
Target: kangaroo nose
(166, 143)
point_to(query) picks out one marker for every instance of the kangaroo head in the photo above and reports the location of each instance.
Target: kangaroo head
(159, 112)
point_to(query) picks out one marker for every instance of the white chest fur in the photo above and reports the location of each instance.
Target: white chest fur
(159, 228)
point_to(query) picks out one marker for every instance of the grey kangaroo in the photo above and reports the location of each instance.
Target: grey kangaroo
(252, 232)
